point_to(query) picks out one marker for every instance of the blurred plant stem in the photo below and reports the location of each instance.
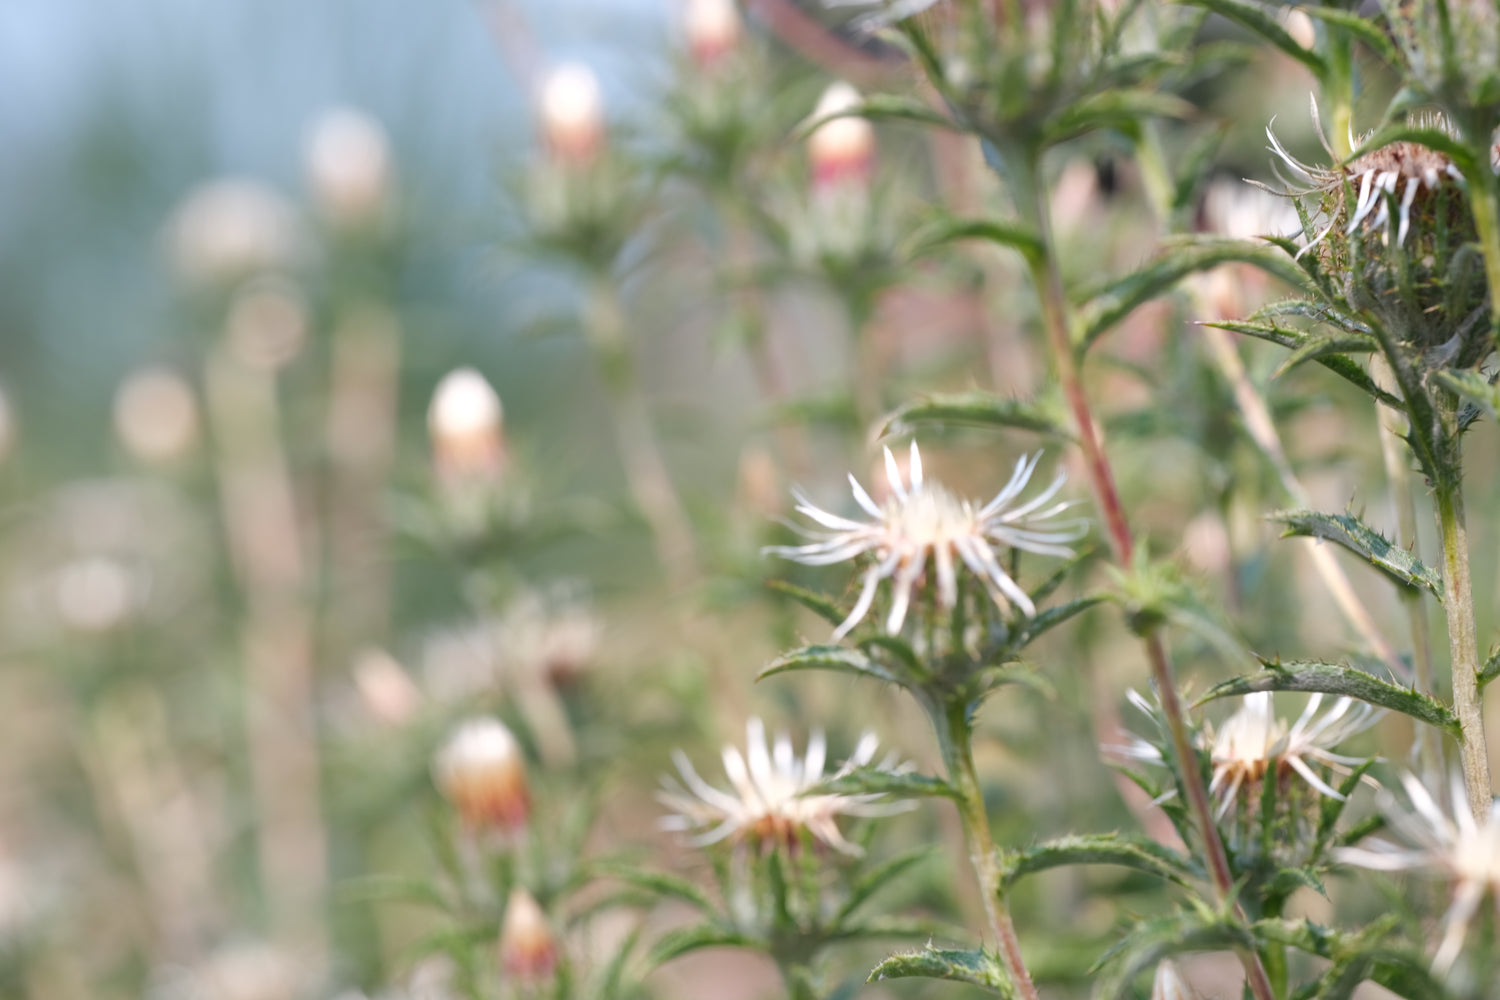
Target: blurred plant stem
(640, 453)
(268, 556)
(956, 740)
(1031, 202)
(1262, 430)
(361, 439)
(1458, 603)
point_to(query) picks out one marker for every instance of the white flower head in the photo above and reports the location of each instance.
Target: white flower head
(767, 803)
(1254, 740)
(920, 521)
(1457, 848)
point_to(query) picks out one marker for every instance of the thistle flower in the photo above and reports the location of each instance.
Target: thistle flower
(481, 772)
(1254, 740)
(923, 522)
(767, 804)
(156, 415)
(840, 150)
(528, 948)
(466, 424)
(712, 29)
(347, 160)
(1457, 849)
(571, 108)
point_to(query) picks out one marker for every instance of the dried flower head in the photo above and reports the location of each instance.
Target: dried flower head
(1394, 224)
(923, 522)
(528, 948)
(572, 115)
(767, 805)
(480, 770)
(1254, 740)
(1457, 849)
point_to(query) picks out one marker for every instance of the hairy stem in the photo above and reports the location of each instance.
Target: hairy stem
(1031, 202)
(956, 737)
(1458, 603)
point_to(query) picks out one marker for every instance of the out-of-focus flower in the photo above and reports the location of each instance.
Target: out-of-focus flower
(156, 415)
(386, 690)
(925, 522)
(1300, 26)
(267, 324)
(841, 150)
(712, 29)
(767, 805)
(572, 115)
(1169, 984)
(1457, 849)
(480, 770)
(1253, 740)
(230, 229)
(466, 424)
(528, 948)
(347, 160)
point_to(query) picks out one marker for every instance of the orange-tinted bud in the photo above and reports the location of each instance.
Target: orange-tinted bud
(572, 115)
(481, 772)
(842, 150)
(528, 948)
(467, 426)
(712, 28)
(348, 166)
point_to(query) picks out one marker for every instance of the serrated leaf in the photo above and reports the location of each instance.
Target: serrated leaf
(1474, 387)
(1491, 668)
(687, 939)
(840, 659)
(1316, 347)
(1398, 968)
(1006, 234)
(1342, 366)
(1155, 940)
(1049, 618)
(1337, 679)
(874, 781)
(991, 679)
(1361, 28)
(1349, 532)
(1118, 849)
(974, 409)
(1112, 303)
(660, 884)
(978, 968)
(1254, 18)
(819, 604)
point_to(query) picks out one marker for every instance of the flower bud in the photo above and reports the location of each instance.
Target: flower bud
(481, 772)
(156, 415)
(1300, 26)
(841, 151)
(712, 28)
(385, 689)
(348, 165)
(572, 115)
(467, 426)
(229, 229)
(528, 949)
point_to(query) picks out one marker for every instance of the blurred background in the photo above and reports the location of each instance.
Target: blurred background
(257, 566)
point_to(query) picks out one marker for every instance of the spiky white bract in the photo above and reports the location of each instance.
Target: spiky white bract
(767, 803)
(920, 521)
(1457, 848)
(1254, 740)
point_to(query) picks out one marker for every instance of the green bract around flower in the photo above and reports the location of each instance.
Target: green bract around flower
(923, 522)
(1458, 849)
(767, 805)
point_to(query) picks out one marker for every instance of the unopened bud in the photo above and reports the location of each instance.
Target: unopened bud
(572, 114)
(712, 28)
(841, 150)
(467, 426)
(528, 948)
(1300, 26)
(481, 772)
(227, 230)
(156, 415)
(385, 688)
(348, 165)
(267, 324)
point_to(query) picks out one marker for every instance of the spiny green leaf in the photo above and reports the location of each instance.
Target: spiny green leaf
(1474, 387)
(1491, 668)
(839, 659)
(1361, 28)
(1119, 298)
(1006, 234)
(1047, 619)
(1316, 347)
(818, 604)
(1351, 533)
(1337, 679)
(1121, 849)
(992, 678)
(706, 935)
(978, 968)
(660, 884)
(874, 781)
(1341, 365)
(1155, 940)
(1254, 18)
(975, 409)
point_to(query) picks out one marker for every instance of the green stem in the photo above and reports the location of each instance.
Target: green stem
(1458, 603)
(1482, 199)
(1031, 202)
(956, 738)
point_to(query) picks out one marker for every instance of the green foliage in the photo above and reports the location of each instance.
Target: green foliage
(1337, 679)
(1125, 850)
(1349, 532)
(977, 968)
